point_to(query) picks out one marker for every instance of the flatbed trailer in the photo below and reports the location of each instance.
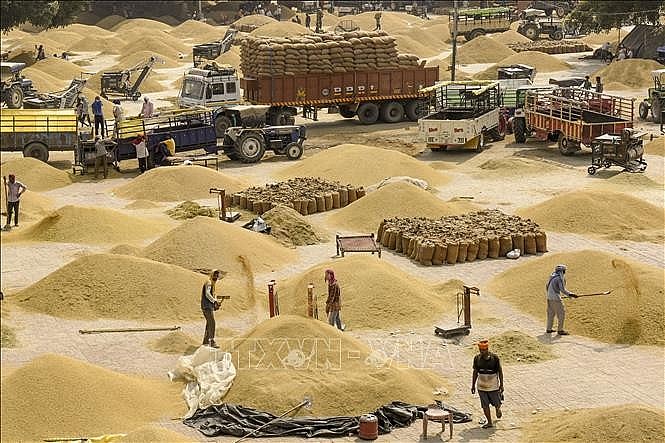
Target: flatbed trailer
(572, 117)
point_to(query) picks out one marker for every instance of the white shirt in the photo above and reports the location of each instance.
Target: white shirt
(148, 109)
(141, 150)
(13, 190)
(118, 113)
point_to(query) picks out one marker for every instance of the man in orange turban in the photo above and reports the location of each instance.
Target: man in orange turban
(489, 375)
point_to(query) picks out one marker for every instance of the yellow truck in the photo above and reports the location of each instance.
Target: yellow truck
(35, 132)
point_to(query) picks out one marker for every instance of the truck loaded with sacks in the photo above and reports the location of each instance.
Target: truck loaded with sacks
(355, 73)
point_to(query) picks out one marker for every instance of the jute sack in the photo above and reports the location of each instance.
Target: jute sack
(426, 253)
(451, 253)
(472, 251)
(518, 242)
(505, 245)
(343, 197)
(493, 247)
(392, 240)
(311, 206)
(385, 238)
(328, 200)
(405, 243)
(382, 227)
(530, 243)
(398, 241)
(482, 248)
(440, 251)
(541, 242)
(462, 252)
(353, 196)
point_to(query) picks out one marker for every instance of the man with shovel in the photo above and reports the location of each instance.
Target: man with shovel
(555, 286)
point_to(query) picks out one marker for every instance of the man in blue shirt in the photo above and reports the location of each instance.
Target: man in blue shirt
(555, 286)
(99, 116)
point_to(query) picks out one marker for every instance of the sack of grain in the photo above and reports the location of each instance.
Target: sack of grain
(472, 250)
(398, 241)
(335, 200)
(343, 197)
(493, 247)
(482, 248)
(530, 243)
(505, 245)
(541, 242)
(311, 206)
(320, 203)
(440, 252)
(426, 253)
(462, 251)
(452, 252)
(518, 242)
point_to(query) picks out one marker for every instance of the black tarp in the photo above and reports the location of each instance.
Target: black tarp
(644, 40)
(238, 421)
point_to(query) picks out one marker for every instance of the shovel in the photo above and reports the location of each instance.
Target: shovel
(595, 293)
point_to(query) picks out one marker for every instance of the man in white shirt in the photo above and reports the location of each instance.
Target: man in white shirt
(554, 287)
(101, 156)
(14, 191)
(148, 108)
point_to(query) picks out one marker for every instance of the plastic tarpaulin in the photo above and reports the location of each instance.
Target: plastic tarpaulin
(209, 374)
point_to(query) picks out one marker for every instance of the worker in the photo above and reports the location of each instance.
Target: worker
(209, 304)
(555, 286)
(118, 116)
(148, 108)
(101, 155)
(98, 114)
(41, 54)
(334, 300)
(13, 191)
(599, 85)
(170, 144)
(622, 53)
(605, 52)
(141, 152)
(629, 53)
(377, 17)
(319, 21)
(488, 374)
(308, 20)
(296, 19)
(82, 111)
(587, 83)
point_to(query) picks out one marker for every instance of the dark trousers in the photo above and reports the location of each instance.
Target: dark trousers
(209, 336)
(101, 162)
(12, 206)
(143, 164)
(99, 123)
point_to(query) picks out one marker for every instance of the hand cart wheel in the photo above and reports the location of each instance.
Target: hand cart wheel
(591, 170)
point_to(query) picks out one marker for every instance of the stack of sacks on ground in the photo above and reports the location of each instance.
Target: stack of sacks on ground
(322, 54)
(307, 195)
(460, 238)
(551, 47)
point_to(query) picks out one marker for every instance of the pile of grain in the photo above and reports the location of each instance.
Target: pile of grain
(153, 434)
(80, 224)
(230, 57)
(142, 204)
(329, 366)
(307, 195)
(98, 43)
(598, 38)
(632, 313)
(145, 25)
(189, 209)
(375, 294)
(205, 243)
(56, 396)
(280, 29)
(198, 30)
(655, 147)
(420, 48)
(36, 175)
(133, 59)
(161, 44)
(253, 20)
(610, 214)
(44, 82)
(328, 20)
(514, 167)
(508, 37)
(623, 423)
(116, 286)
(391, 22)
(65, 38)
(459, 238)
(289, 227)
(542, 62)
(110, 21)
(322, 54)
(176, 342)
(634, 73)
(7, 336)
(347, 163)
(177, 183)
(551, 47)
(58, 68)
(483, 50)
(518, 347)
(34, 206)
(396, 199)
(125, 249)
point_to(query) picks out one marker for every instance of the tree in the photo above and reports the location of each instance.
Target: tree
(603, 15)
(47, 14)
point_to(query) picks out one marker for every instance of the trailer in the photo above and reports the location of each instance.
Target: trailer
(472, 23)
(625, 150)
(572, 117)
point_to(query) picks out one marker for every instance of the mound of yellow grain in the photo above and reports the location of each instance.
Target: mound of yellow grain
(280, 29)
(514, 167)
(291, 228)
(611, 214)
(483, 50)
(391, 22)
(110, 21)
(632, 313)
(144, 24)
(36, 175)
(539, 60)
(317, 360)
(256, 20)
(142, 204)
(198, 30)
(655, 147)
(176, 342)
(154, 434)
(518, 347)
(33, 205)
(57, 396)
(508, 37)
(632, 73)
(598, 38)
(58, 68)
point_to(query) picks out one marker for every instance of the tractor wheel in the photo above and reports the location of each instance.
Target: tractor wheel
(346, 112)
(567, 146)
(14, 97)
(530, 31)
(368, 113)
(644, 110)
(519, 128)
(392, 112)
(36, 150)
(657, 106)
(475, 33)
(250, 147)
(222, 123)
(556, 35)
(412, 110)
(294, 151)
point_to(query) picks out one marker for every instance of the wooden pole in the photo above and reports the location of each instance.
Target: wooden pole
(310, 300)
(102, 331)
(271, 297)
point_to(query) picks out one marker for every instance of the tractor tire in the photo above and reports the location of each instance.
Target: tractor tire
(645, 108)
(475, 33)
(14, 97)
(36, 150)
(250, 147)
(530, 31)
(222, 123)
(556, 35)
(567, 146)
(346, 112)
(657, 106)
(392, 112)
(412, 110)
(294, 151)
(519, 128)
(368, 113)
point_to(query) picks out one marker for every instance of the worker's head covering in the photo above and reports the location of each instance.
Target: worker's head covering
(214, 273)
(483, 345)
(145, 98)
(97, 98)
(560, 269)
(116, 102)
(330, 276)
(12, 177)
(98, 137)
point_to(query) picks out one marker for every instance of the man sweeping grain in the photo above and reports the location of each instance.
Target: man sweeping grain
(13, 191)
(209, 304)
(488, 374)
(334, 301)
(555, 286)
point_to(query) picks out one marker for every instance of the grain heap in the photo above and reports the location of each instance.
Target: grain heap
(290, 227)
(456, 239)
(598, 38)
(655, 147)
(34, 205)
(307, 195)
(396, 199)
(518, 347)
(509, 37)
(342, 366)
(611, 214)
(632, 313)
(35, 174)
(7, 335)
(176, 342)
(542, 62)
(551, 47)
(189, 209)
(142, 204)
(482, 50)
(622, 423)
(630, 73)
(375, 294)
(280, 29)
(42, 399)
(322, 54)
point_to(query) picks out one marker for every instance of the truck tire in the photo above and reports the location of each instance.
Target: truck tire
(475, 33)
(346, 112)
(222, 123)
(294, 151)
(368, 113)
(530, 31)
(519, 128)
(392, 112)
(250, 147)
(14, 97)
(644, 110)
(36, 150)
(566, 145)
(556, 35)
(412, 110)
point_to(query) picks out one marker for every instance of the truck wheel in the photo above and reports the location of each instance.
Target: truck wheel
(556, 35)
(294, 151)
(346, 112)
(566, 145)
(368, 113)
(530, 31)
(412, 110)
(222, 123)
(392, 112)
(14, 97)
(519, 128)
(644, 110)
(475, 33)
(250, 147)
(36, 150)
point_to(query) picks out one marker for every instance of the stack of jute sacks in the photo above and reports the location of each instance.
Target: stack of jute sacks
(307, 195)
(461, 238)
(322, 54)
(551, 47)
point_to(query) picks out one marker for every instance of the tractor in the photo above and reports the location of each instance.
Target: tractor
(655, 102)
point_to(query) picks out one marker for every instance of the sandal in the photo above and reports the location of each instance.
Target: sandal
(487, 425)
